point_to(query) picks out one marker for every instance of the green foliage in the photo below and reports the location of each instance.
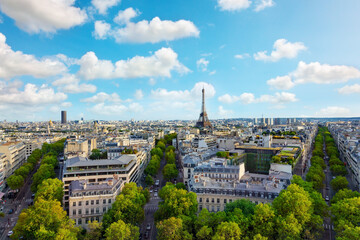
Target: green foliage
(170, 148)
(176, 202)
(51, 160)
(15, 181)
(346, 213)
(149, 180)
(172, 229)
(23, 171)
(222, 154)
(50, 189)
(205, 233)
(129, 151)
(45, 171)
(339, 183)
(44, 220)
(316, 176)
(153, 167)
(318, 160)
(169, 137)
(157, 151)
(97, 154)
(246, 206)
(227, 231)
(170, 157)
(121, 231)
(338, 170)
(344, 194)
(161, 145)
(335, 161)
(264, 220)
(94, 232)
(170, 171)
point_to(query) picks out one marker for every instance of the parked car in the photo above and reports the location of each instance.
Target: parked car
(327, 198)
(11, 211)
(148, 227)
(151, 190)
(146, 235)
(155, 194)
(10, 233)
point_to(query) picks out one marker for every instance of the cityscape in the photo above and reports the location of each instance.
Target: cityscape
(147, 120)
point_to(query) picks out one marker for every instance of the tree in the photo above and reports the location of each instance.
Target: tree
(94, 232)
(339, 183)
(172, 229)
(161, 145)
(122, 231)
(45, 171)
(294, 201)
(15, 181)
(338, 170)
(344, 194)
(227, 231)
(149, 180)
(264, 220)
(52, 160)
(50, 189)
(95, 154)
(156, 151)
(335, 161)
(259, 237)
(170, 148)
(170, 171)
(205, 233)
(288, 228)
(43, 220)
(170, 157)
(349, 233)
(319, 205)
(346, 213)
(246, 206)
(23, 171)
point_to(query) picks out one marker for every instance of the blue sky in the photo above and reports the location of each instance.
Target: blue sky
(139, 59)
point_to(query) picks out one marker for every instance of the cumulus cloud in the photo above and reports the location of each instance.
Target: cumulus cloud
(124, 17)
(223, 113)
(116, 109)
(282, 49)
(102, 97)
(16, 63)
(242, 56)
(139, 94)
(248, 98)
(152, 81)
(315, 73)
(333, 111)
(66, 104)
(69, 83)
(233, 5)
(262, 4)
(101, 29)
(350, 89)
(160, 64)
(32, 95)
(185, 95)
(35, 16)
(103, 5)
(202, 64)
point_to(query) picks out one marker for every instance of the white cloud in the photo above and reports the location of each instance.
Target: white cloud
(102, 97)
(35, 16)
(124, 17)
(155, 31)
(283, 82)
(212, 72)
(160, 64)
(66, 104)
(32, 95)
(248, 98)
(350, 89)
(262, 4)
(223, 113)
(69, 83)
(103, 5)
(139, 94)
(315, 73)
(116, 109)
(242, 56)
(202, 64)
(333, 111)
(152, 81)
(282, 49)
(101, 29)
(233, 5)
(16, 63)
(186, 95)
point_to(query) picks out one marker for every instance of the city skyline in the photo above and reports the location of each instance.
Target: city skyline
(122, 60)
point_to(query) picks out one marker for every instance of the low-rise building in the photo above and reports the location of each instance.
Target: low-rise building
(15, 156)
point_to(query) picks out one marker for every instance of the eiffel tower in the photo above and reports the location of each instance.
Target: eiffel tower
(203, 121)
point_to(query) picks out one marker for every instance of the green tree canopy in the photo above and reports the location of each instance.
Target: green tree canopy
(122, 231)
(50, 189)
(172, 229)
(227, 231)
(15, 181)
(339, 183)
(45, 171)
(344, 194)
(170, 171)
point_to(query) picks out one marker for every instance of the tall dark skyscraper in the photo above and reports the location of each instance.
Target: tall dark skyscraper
(63, 117)
(203, 121)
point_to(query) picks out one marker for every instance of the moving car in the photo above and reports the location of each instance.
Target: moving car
(155, 194)
(327, 198)
(10, 233)
(148, 227)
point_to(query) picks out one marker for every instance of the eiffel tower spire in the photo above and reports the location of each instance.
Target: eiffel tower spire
(203, 121)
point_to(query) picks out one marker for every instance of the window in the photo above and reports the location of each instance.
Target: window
(87, 220)
(79, 221)
(104, 209)
(230, 200)
(218, 200)
(92, 202)
(87, 203)
(74, 204)
(213, 208)
(207, 199)
(92, 211)
(79, 211)
(200, 199)
(97, 210)
(80, 203)
(218, 208)
(224, 200)
(97, 202)
(87, 211)
(104, 201)
(212, 200)
(109, 201)
(74, 212)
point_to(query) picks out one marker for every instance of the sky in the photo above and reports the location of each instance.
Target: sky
(149, 60)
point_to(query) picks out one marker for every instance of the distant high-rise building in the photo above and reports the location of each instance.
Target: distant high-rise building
(277, 121)
(63, 117)
(255, 121)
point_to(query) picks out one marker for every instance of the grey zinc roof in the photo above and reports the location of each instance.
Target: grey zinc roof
(83, 162)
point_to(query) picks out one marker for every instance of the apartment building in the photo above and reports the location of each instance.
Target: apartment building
(79, 147)
(31, 146)
(124, 167)
(15, 156)
(88, 201)
(2, 170)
